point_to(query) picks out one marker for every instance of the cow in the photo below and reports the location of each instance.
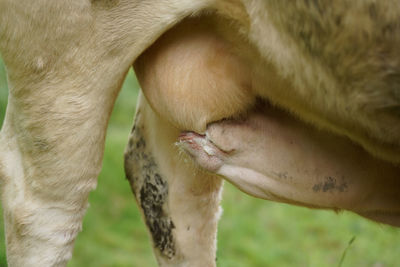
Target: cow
(285, 99)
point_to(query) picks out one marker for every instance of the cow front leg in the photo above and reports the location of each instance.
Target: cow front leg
(179, 203)
(51, 144)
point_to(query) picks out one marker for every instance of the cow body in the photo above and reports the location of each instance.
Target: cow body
(334, 65)
(208, 69)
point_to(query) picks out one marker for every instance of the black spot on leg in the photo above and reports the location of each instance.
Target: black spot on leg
(152, 198)
(151, 192)
(140, 144)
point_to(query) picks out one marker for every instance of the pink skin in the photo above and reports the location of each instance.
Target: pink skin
(273, 156)
(198, 145)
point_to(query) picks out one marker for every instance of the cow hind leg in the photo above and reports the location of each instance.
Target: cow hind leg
(179, 203)
(190, 76)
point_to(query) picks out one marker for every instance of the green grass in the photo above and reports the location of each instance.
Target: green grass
(252, 232)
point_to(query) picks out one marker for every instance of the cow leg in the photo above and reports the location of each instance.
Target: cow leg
(52, 144)
(65, 62)
(179, 203)
(190, 77)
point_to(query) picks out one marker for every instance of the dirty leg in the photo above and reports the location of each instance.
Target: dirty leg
(179, 203)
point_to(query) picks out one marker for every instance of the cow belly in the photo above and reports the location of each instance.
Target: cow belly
(210, 68)
(321, 68)
(273, 156)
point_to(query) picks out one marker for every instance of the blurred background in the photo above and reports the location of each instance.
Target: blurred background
(252, 232)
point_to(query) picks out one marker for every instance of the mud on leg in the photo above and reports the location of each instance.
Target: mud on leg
(179, 203)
